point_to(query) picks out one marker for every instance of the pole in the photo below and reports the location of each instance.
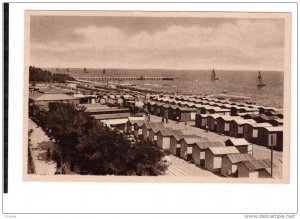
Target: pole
(272, 161)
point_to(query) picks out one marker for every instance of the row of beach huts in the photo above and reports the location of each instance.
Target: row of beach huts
(257, 124)
(232, 158)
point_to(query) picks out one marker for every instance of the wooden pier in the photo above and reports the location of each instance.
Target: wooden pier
(141, 78)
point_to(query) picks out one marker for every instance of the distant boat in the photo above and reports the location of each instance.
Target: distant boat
(224, 91)
(85, 71)
(104, 71)
(213, 76)
(259, 80)
(68, 70)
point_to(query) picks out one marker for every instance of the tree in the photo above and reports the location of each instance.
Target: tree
(96, 149)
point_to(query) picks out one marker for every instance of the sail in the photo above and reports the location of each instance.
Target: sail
(213, 75)
(259, 80)
(104, 72)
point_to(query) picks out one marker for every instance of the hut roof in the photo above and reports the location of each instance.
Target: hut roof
(207, 144)
(111, 116)
(215, 116)
(257, 164)
(228, 118)
(179, 137)
(203, 115)
(194, 140)
(49, 97)
(238, 141)
(224, 150)
(236, 158)
(264, 124)
(274, 128)
(133, 120)
(53, 90)
(170, 132)
(157, 127)
(149, 125)
(241, 121)
(139, 123)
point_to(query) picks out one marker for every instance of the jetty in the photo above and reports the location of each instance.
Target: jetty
(141, 78)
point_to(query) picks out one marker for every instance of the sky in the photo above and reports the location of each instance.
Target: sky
(156, 42)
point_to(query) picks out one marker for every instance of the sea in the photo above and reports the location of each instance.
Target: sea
(233, 82)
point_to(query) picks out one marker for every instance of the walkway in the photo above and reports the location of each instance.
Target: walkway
(40, 143)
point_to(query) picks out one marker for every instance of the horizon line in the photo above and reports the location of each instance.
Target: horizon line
(204, 69)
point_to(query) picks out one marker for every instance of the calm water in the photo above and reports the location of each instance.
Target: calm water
(193, 82)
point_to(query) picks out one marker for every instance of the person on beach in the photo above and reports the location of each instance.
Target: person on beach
(177, 119)
(148, 119)
(185, 124)
(167, 119)
(206, 128)
(163, 119)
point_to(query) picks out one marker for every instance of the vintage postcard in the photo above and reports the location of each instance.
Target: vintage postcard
(157, 96)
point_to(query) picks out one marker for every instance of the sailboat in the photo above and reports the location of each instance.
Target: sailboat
(85, 71)
(259, 80)
(104, 71)
(213, 76)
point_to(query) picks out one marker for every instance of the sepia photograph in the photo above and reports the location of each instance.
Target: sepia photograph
(161, 96)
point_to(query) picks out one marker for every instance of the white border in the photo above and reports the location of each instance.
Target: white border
(115, 197)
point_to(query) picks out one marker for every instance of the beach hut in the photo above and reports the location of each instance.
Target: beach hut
(103, 100)
(201, 120)
(218, 110)
(205, 109)
(236, 127)
(175, 142)
(151, 107)
(130, 124)
(234, 110)
(172, 112)
(157, 109)
(212, 122)
(223, 123)
(271, 137)
(164, 110)
(111, 100)
(230, 161)
(164, 137)
(138, 131)
(250, 116)
(251, 131)
(275, 122)
(186, 146)
(251, 110)
(254, 169)
(213, 157)
(153, 132)
(184, 113)
(278, 113)
(147, 127)
(199, 149)
(265, 109)
(241, 144)
(119, 101)
(118, 124)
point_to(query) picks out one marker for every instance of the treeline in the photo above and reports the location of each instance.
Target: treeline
(40, 75)
(92, 148)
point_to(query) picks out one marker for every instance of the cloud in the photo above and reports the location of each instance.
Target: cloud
(246, 43)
